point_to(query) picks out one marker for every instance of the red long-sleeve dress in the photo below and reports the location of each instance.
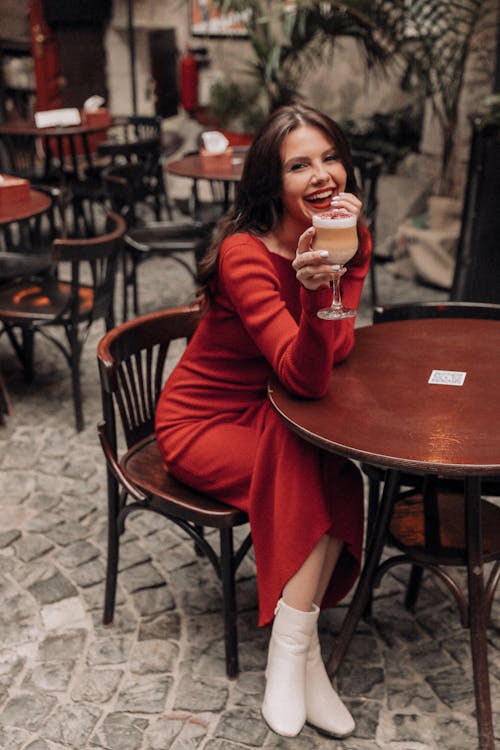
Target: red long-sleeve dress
(218, 432)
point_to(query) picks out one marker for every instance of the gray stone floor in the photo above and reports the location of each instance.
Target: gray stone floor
(156, 680)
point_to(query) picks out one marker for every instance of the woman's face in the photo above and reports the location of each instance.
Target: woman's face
(312, 174)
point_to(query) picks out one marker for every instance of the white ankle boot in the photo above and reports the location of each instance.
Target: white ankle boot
(284, 705)
(324, 709)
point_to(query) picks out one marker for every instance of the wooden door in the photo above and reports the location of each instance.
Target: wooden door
(45, 57)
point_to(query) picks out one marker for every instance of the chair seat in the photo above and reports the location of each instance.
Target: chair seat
(167, 236)
(33, 300)
(14, 265)
(170, 495)
(407, 529)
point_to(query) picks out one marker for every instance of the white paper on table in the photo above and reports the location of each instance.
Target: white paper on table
(53, 118)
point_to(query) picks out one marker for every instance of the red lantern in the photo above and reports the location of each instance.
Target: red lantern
(189, 81)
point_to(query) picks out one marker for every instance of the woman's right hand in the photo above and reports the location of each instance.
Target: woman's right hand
(311, 266)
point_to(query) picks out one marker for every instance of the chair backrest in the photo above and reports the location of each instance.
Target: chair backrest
(144, 150)
(477, 266)
(99, 256)
(418, 310)
(118, 183)
(21, 155)
(367, 169)
(132, 362)
(134, 127)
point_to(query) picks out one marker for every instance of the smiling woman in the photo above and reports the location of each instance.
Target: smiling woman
(217, 431)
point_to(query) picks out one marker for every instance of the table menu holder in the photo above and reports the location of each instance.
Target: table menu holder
(226, 157)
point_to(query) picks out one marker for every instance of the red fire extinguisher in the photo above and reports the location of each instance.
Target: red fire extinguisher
(189, 81)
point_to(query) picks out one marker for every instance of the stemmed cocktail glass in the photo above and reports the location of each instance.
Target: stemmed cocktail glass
(336, 232)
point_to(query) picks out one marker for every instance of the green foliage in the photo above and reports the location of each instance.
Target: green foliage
(392, 135)
(287, 39)
(431, 41)
(235, 106)
(490, 115)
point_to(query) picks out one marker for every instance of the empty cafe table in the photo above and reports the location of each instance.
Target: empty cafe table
(385, 407)
(212, 168)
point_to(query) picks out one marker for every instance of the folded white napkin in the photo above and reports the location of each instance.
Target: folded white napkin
(93, 103)
(214, 142)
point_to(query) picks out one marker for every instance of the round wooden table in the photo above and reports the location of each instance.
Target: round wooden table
(213, 168)
(35, 204)
(63, 144)
(15, 264)
(198, 167)
(381, 409)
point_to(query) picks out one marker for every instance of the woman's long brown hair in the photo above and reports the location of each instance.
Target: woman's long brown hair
(258, 206)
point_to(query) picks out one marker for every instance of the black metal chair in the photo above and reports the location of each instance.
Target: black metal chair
(65, 301)
(129, 128)
(368, 168)
(127, 187)
(425, 515)
(132, 360)
(477, 266)
(141, 139)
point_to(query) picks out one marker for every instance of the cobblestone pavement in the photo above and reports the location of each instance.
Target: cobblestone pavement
(156, 679)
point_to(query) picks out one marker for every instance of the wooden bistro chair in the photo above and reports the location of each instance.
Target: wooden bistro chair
(428, 520)
(126, 185)
(70, 300)
(132, 359)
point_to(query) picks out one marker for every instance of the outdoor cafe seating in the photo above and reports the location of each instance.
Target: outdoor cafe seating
(63, 304)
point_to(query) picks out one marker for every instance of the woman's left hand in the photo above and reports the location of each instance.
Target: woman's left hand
(348, 202)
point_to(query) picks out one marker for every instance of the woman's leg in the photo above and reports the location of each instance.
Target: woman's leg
(298, 688)
(332, 555)
(308, 585)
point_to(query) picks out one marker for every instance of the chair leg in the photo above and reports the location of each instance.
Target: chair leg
(125, 287)
(229, 597)
(198, 550)
(368, 573)
(135, 291)
(28, 354)
(75, 352)
(413, 588)
(5, 404)
(373, 501)
(113, 553)
(478, 614)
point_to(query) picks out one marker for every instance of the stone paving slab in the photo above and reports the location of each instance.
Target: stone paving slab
(156, 680)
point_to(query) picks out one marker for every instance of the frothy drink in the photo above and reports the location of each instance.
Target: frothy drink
(336, 233)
